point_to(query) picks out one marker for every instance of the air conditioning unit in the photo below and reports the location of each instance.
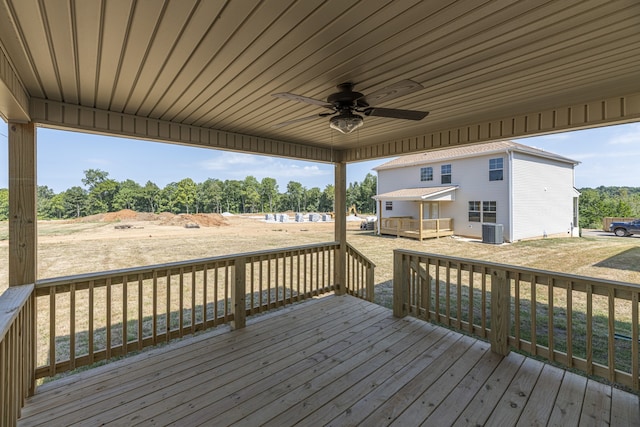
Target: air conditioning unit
(492, 233)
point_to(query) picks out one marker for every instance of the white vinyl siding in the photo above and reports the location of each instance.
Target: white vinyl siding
(542, 197)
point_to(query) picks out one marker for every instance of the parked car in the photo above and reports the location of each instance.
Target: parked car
(622, 229)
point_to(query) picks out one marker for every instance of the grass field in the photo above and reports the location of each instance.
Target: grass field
(68, 248)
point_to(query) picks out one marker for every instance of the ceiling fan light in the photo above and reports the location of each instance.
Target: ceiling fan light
(346, 123)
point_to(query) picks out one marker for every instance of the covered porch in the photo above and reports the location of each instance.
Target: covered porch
(203, 74)
(426, 202)
(333, 360)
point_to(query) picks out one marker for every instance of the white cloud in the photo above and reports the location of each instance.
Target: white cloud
(238, 166)
(631, 135)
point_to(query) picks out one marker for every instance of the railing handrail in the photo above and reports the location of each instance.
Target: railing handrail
(509, 305)
(12, 301)
(526, 270)
(176, 265)
(361, 255)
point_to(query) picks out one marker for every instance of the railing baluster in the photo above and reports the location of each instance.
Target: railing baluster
(589, 337)
(550, 327)
(154, 335)
(140, 312)
(167, 324)
(459, 295)
(108, 315)
(612, 335)
(181, 303)
(125, 307)
(471, 298)
(72, 325)
(91, 329)
(52, 332)
(635, 336)
(570, 323)
(517, 323)
(193, 295)
(534, 315)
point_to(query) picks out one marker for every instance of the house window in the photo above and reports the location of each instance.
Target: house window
(495, 169)
(489, 211)
(445, 174)
(474, 211)
(388, 206)
(426, 174)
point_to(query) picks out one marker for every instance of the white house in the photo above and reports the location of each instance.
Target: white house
(499, 190)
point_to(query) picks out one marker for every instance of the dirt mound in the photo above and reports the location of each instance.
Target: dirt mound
(123, 215)
(163, 218)
(203, 220)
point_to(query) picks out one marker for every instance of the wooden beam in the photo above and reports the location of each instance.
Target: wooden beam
(14, 100)
(238, 294)
(23, 236)
(340, 229)
(104, 122)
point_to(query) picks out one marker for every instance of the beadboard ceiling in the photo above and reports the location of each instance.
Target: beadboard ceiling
(213, 65)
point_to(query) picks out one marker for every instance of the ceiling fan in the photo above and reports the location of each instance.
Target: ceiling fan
(346, 103)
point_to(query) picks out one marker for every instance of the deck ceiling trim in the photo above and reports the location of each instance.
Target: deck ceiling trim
(617, 110)
(92, 120)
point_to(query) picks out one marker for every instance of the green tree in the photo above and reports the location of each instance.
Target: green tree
(210, 195)
(43, 198)
(75, 201)
(327, 199)
(128, 196)
(294, 195)
(268, 192)
(57, 206)
(186, 194)
(232, 190)
(151, 196)
(250, 194)
(312, 199)
(4, 204)
(168, 198)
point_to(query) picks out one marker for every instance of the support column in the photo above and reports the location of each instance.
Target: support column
(340, 230)
(23, 234)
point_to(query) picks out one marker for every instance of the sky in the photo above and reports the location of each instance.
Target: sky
(608, 156)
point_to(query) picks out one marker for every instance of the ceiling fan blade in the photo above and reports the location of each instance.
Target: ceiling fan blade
(396, 90)
(300, 98)
(396, 114)
(300, 120)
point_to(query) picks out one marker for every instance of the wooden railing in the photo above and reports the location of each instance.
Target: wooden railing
(416, 228)
(83, 319)
(583, 323)
(360, 274)
(17, 351)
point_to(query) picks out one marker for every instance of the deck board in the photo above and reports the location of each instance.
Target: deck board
(329, 361)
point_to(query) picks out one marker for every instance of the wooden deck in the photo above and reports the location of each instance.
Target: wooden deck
(329, 361)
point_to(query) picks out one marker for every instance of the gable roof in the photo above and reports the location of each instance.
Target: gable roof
(473, 150)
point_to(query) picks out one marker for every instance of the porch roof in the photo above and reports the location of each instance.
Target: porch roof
(424, 194)
(202, 73)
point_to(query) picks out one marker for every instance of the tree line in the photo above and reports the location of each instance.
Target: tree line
(598, 203)
(101, 194)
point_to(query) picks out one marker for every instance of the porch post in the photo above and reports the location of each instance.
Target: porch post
(420, 220)
(379, 217)
(23, 233)
(340, 229)
(500, 312)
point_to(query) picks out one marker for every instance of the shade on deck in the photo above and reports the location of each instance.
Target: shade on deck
(336, 360)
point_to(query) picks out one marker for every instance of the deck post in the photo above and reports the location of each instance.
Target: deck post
(420, 220)
(340, 229)
(400, 287)
(23, 234)
(238, 292)
(500, 312)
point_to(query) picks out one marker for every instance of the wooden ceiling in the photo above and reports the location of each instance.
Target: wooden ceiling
(202, 71)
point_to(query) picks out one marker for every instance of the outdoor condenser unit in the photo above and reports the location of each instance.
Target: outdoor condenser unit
(492, 233)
